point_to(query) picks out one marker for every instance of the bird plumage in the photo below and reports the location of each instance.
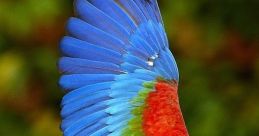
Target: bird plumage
(115, 53)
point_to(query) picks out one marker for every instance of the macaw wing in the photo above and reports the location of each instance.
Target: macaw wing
(113, 50)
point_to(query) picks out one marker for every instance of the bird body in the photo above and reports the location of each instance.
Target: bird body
(119, 75)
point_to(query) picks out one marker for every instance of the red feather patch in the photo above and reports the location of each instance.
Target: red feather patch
(162, 115)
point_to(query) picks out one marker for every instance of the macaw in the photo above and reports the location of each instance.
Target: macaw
(118, 73)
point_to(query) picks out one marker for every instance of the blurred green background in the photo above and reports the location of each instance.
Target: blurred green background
(215, 43)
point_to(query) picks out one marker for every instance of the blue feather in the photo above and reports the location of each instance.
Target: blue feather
(144, 32)
(117, 100)
(136, 75)
(117, 132)
(118, 125)
(76, 48)
(127, 84)
(138, 42)
(84, 91)
(91, 129)
(160, 33)
(116, 118)
(84, 102)
(154, 34)
(143, 8)
(74, 81)
(120, 94)
(133, 10)
(119, 107)
(86, 121)
(163, 34)
(86, 32)
(147, 73)
(99, 19)
(138, 52)
(173, 64)
(135, 61)
(75, 116)
(168, 65)
(115, 12)
(149, 9)
(100, 132)
(82, 66)
(159, 68)
(118, 121)
(129, 67)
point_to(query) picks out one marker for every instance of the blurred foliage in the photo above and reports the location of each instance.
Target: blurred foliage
(215, 44)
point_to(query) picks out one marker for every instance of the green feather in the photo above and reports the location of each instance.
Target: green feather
(134, 126)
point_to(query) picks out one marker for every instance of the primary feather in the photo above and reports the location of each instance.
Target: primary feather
(112, 57)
